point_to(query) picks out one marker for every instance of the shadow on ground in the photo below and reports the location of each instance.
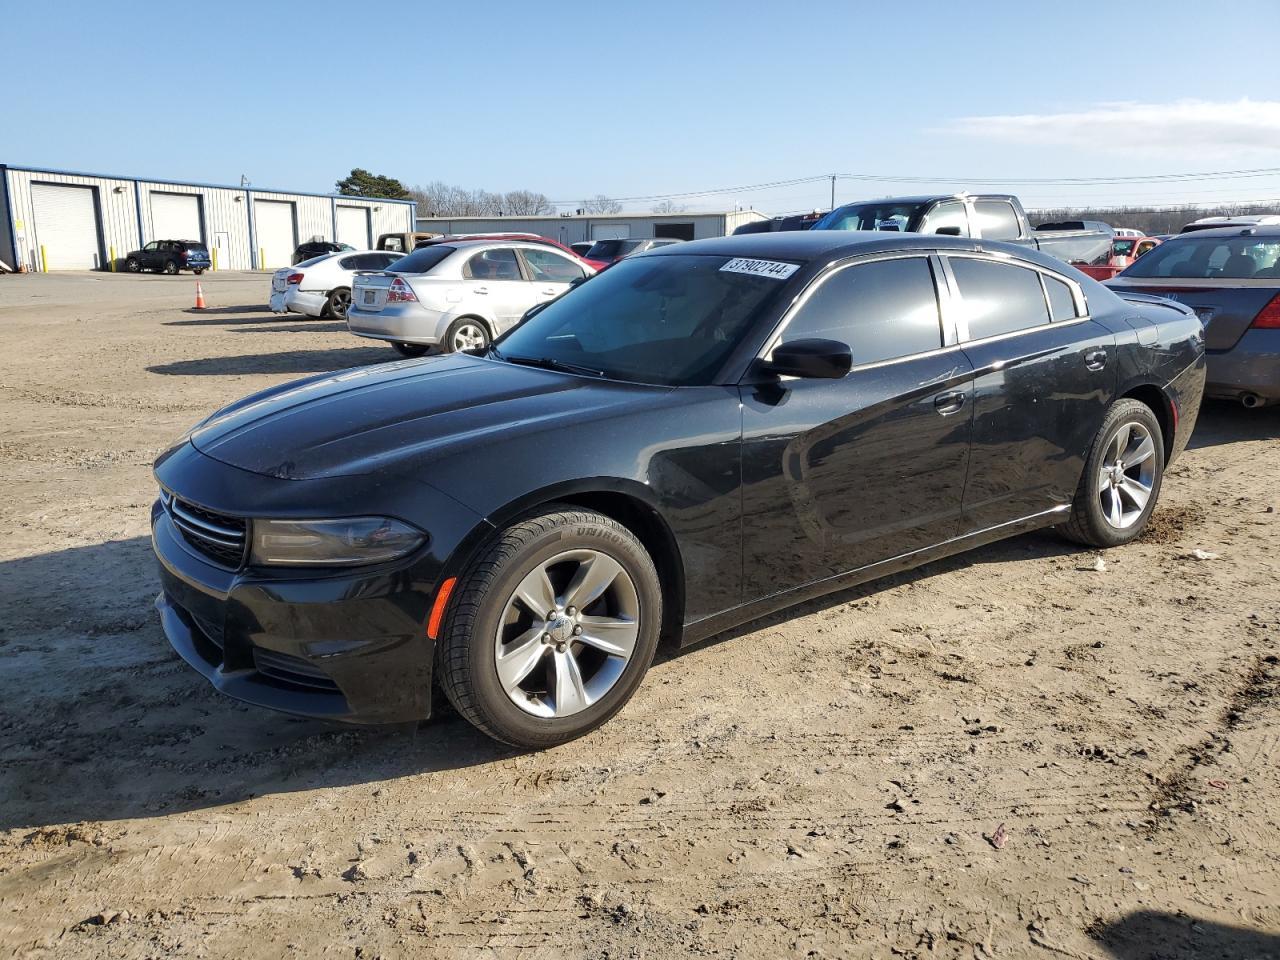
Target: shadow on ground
(1224, 422)
(1156, 935)
(283, 361)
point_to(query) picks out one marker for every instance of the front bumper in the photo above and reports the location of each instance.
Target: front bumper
(403, 323)
(350, 648)
(1251, 366)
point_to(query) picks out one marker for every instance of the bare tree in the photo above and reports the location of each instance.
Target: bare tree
(601, 204)
(669, 206)
(526, 203)
(1150, 220)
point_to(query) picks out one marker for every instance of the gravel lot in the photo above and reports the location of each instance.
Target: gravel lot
(831, 784)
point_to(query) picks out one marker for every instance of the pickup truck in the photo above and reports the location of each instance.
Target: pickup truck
(990, 216)
(402, 242)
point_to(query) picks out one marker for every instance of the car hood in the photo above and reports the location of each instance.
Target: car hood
(375, 418)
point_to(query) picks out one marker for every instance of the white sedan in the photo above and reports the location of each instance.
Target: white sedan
(458, 295)
(321, 286)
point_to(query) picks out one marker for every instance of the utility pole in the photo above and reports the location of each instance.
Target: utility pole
(833, 191)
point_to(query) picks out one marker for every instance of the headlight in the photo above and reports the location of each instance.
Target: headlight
(339, 542)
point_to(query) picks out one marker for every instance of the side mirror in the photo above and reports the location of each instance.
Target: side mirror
(948, 231)
(811, 359)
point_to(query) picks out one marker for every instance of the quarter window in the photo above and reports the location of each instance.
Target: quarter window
(998, 298)
(882, 310)
(1062, 305)
(996, 220)
(499, 264)
(548, 267)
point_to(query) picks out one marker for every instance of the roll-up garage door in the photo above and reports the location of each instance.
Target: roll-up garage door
(610, 231)
(66, 221)
(175, 216)
(353, 226)
(276, 235)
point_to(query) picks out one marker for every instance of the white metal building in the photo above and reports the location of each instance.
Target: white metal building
(681, 226)
(60, 220)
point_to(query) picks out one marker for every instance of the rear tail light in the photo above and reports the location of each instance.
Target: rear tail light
(400, 292)
(1269, 317)
(293, 278)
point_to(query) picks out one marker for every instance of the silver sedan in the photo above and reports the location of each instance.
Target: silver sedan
(457, 296)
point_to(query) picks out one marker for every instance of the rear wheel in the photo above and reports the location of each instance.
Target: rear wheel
(466, 333)
(338, 302)
(170, 267)
(552, 629)
(410, 349)
(1122, 477)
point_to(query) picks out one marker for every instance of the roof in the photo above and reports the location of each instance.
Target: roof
(1232, 230)
(836, 244)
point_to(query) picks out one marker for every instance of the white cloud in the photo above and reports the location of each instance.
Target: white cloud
(1191, 126)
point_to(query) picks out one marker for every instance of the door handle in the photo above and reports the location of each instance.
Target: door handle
(949, 402)
(550, 291)
(482, 290)
(1095, 359)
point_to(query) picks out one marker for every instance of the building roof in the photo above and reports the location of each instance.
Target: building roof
(595, 216)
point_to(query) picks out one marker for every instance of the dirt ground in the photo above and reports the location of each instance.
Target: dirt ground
(1015, 753)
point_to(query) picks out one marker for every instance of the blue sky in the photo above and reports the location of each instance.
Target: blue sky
(635, 100)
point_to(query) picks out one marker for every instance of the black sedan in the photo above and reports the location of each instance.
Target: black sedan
(692, 439)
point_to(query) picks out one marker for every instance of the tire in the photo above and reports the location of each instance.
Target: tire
(410, 349)
(170, 267)
(489, 624)
(338, 302)
(1108, 510)
(133, 265)
(466, 333)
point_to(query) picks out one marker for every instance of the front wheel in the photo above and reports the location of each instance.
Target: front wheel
(1121, 479)
(133, 265)
(551, 629)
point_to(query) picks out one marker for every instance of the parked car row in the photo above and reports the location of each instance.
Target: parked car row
(321, 286)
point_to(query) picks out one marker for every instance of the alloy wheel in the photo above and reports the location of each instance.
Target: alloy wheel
(567, 633)
(468, 336)
(1127, 475)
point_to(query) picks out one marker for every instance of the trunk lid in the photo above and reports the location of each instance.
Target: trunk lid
(1225, 307)
(369, 291)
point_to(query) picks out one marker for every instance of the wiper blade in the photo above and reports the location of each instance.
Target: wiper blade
(550, 363)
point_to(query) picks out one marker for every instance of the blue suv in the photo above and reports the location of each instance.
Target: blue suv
(170, 256)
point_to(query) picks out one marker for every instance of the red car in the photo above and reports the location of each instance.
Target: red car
(1124, 250)
(527, 237)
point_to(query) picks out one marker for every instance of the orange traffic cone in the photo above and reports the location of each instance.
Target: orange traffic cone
(200, 304)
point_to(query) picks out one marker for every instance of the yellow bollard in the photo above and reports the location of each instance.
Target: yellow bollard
(214, 254)
(113, 258)
(262, 258)
(44, 261)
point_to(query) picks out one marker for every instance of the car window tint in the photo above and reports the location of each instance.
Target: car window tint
(548, 267)
(352, 263)
(498, 264)
(423, 259)
(996, 219)
(1062, 306)
(944, 215)
(1205, 258)
(882, 310)
(153, 245)
(998, 297)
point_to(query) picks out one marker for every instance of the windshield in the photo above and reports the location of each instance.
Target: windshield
(668, 320)
(871, 216)
(422, 259)
(1206, 258)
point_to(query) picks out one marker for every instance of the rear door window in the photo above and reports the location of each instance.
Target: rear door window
(998, 298)
(1062, 305)
(496, 264)
(881, 310)
(996, 220)
(948, 215)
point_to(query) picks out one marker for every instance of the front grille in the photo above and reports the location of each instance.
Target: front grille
(219, 537)
(293, 670)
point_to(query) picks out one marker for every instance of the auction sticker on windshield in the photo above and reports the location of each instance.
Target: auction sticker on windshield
(761, 268)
